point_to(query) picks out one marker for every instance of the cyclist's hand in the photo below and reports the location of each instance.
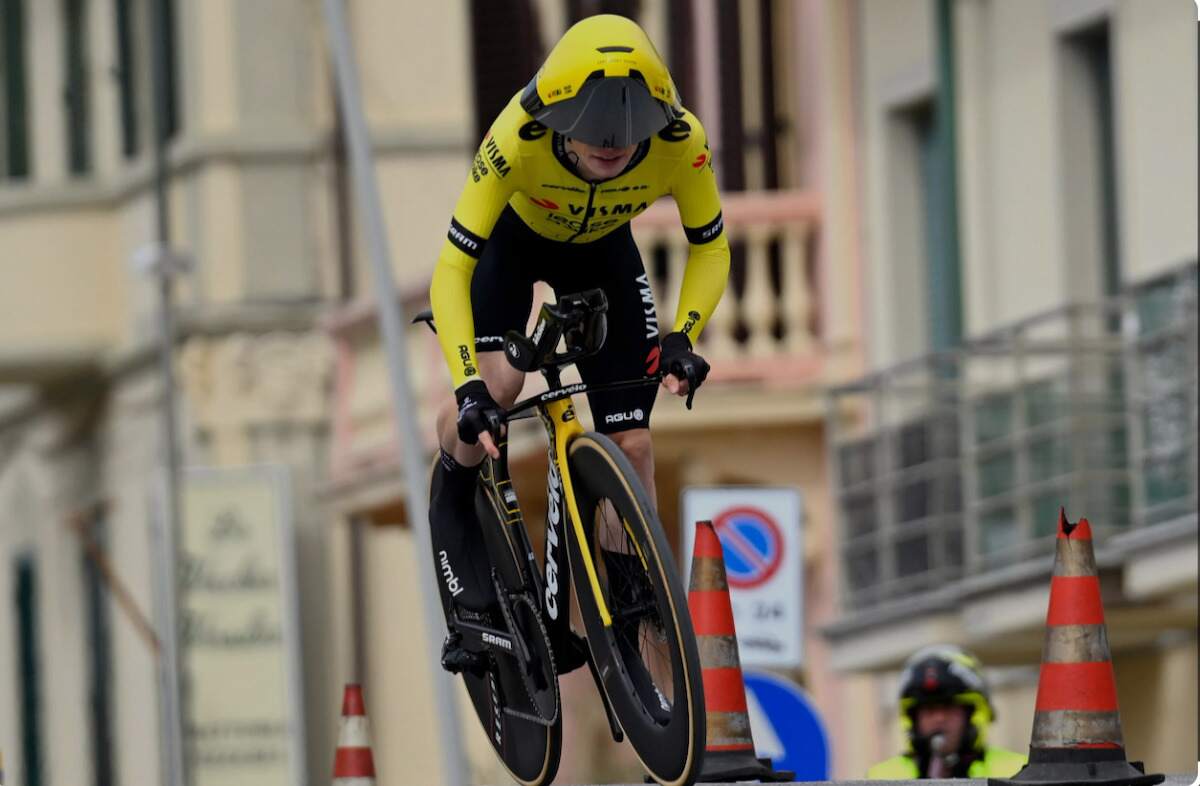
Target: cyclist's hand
(685, 370)
(480, 418)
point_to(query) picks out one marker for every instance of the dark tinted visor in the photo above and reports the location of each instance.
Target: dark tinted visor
(608, 112)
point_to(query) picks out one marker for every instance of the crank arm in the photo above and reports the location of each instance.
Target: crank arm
(490, 638)
(520, 647)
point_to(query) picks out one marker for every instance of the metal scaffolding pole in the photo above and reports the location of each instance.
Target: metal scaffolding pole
(403, 403)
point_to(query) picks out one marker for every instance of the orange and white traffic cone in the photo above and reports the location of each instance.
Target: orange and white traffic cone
(729, 751)
(1076, 726)
(353, 765)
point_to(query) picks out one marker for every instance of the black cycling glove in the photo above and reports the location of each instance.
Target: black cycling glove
(477, 411)
(680, 361)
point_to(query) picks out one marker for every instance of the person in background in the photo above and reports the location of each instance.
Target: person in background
(945, 711)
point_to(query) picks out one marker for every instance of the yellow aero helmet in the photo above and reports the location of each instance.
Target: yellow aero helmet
(603, 83)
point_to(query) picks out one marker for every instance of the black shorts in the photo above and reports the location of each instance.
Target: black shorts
(515, 257)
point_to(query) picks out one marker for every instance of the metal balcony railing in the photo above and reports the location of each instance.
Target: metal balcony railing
(956, 463)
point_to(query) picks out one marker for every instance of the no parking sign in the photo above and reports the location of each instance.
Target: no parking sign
(762, 540)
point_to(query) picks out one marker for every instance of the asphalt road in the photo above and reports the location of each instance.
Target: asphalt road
(1172, 780)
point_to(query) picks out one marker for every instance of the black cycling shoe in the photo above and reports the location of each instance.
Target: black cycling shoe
(456, 659)
(574, 655)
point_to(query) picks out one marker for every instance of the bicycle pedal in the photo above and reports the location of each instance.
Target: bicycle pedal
(456, 659)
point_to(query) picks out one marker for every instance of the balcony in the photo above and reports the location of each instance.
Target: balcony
(764, 341)
(61, 296)
(768, 324)
(950, 469)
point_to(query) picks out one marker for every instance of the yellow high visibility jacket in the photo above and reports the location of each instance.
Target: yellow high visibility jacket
(996, 763)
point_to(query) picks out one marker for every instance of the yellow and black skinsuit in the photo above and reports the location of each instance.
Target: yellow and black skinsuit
(526, 214)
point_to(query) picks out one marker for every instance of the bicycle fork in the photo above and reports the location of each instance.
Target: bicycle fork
(563, 426)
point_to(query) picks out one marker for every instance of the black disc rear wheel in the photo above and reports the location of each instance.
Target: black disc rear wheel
(508, 697)
(648, 653)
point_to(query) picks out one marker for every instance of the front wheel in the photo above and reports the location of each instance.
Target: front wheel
(647, 654)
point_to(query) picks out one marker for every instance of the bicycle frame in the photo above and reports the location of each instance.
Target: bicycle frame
(551, 581)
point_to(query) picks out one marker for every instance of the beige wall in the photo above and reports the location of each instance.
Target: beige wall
(252, 203)
(1155, 63)
(253, 187)
(70, 255)
(414, 67)
(1018, 187)
(398, 660)
(897, 69)
(1157, 691)
(419, 193)
(1010, 198)
(130, 441)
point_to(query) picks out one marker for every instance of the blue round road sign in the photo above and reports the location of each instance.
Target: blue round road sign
(796, 738)
(752, 545)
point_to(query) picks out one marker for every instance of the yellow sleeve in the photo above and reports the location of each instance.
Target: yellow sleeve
(491, 182)
(695, 190)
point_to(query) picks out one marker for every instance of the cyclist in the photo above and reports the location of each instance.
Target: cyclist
(945, 710)
(595, 138)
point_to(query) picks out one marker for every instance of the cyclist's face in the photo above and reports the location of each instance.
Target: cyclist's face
(600, 163)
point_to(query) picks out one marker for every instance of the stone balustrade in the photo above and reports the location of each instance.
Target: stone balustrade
(768, 322)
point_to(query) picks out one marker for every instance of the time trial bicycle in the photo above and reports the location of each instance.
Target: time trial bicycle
(603, 537)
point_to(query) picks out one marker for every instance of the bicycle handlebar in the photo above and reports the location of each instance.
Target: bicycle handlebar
(579, 319)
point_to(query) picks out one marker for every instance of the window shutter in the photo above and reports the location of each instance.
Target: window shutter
(578, 9)
(506, 51)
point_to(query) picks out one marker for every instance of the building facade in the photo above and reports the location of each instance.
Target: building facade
(257, 202)
(1030, 198)
(1054, 274)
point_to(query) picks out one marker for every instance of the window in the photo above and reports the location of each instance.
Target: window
(941, 253)
(127, 63)
(925, 242)
(25, 597)
(168, 126)
(1164, 354)
(681, 47)
(507, 51)
(135, 57)
(902, 529)
(75, 92)
(14, 155)
(751, 50)
(578, 9)
(96, 598)
(1086, 126)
